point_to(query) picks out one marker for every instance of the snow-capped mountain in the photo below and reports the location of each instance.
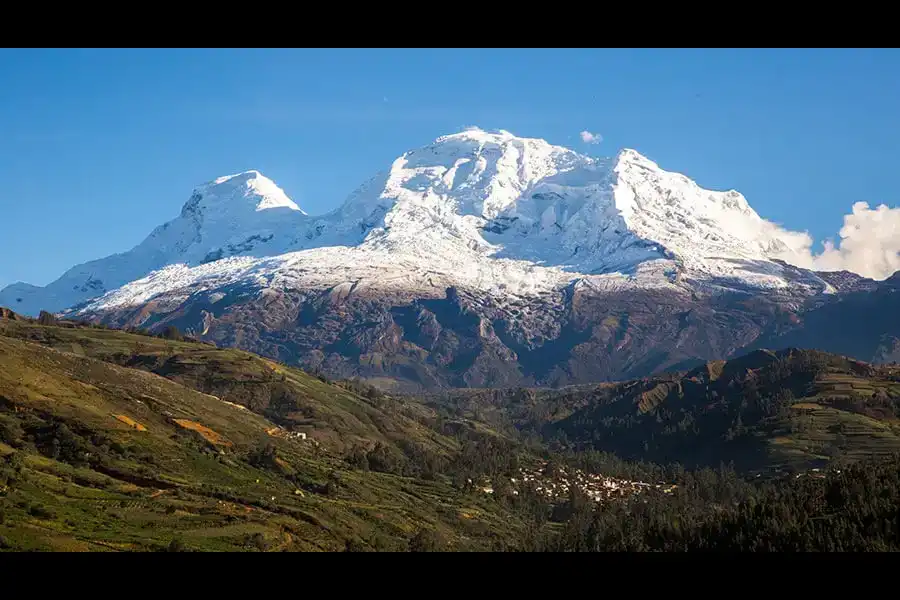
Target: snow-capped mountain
(232, 215)
(482, 258)
(482, 210)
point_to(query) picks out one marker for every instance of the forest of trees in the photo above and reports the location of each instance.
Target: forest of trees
(849, 507)
(856, 508)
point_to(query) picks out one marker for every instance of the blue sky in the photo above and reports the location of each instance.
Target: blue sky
(97, 147)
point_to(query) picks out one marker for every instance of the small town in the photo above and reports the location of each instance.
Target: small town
(599, 488)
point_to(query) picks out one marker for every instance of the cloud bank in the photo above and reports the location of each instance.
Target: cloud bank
(869, 244)
(591, 138)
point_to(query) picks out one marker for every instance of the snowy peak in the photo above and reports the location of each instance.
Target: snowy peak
(477, 173)
(631, 157)
(437, 198)
(488, 208)
(694, 223)
(242, 192)
(630, 165)
(500, 196)
(245, 214)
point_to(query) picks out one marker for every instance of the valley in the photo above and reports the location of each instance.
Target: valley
(115, 440)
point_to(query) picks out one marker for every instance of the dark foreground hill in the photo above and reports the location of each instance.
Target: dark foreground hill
(576, 336)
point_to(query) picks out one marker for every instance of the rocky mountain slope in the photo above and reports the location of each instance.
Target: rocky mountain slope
(481, 259)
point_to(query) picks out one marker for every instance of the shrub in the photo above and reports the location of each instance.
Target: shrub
(259, 542)
(41, 512)
(10, 430)
(427, 540)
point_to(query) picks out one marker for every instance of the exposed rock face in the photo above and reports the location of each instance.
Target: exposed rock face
(578, 336)
(863, 322)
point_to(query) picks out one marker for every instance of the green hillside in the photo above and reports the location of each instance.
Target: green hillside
(112, 440)
(765, 411)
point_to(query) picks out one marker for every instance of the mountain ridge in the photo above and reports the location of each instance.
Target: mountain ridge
(482, 259)
(547, 213)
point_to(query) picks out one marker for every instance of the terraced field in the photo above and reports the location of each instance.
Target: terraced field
(838, 419)
(765, 412)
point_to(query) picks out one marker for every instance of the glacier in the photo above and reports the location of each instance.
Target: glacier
(484, 211)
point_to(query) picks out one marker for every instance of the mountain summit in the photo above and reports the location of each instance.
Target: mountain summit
(239, 193)
(227, 216)
(478, 209)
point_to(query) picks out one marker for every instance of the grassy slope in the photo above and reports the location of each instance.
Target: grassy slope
(335, 416)
(105, 483)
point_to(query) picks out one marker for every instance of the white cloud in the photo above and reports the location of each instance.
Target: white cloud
(591, 138)
(869, 244)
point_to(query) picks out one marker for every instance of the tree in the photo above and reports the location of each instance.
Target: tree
(355, 545)
(333, 485)
(260, 542)
(427, 540)
(384, 460)
(502, 489)
(172, 333)
(10, 430)
(55, 446)
(45, 318)
(264, 456)
(359, 459)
